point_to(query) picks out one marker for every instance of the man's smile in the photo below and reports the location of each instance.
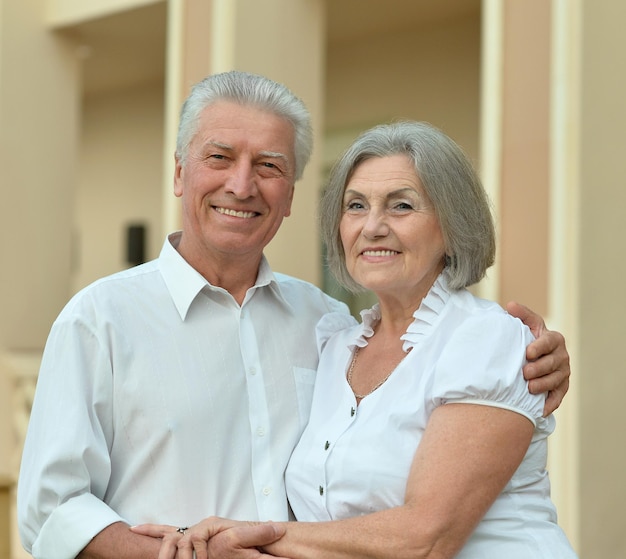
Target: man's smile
(235, 213)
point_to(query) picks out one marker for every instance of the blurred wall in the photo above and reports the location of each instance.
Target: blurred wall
(120, 178)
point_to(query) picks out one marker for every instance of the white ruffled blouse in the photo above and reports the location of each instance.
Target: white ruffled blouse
(355, 460)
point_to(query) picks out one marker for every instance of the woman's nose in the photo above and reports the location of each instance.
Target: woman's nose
(375, 225)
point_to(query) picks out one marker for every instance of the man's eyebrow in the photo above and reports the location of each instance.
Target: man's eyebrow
(264, 153)
(220, 145)
(275, 155)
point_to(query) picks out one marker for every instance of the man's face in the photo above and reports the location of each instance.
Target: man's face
(237, 182)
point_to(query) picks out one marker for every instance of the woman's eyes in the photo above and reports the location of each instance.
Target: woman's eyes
(402, 206)
(393, 206)
(354, 205)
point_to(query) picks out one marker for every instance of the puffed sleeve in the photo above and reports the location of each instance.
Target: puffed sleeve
(482, 364)
(331, 323)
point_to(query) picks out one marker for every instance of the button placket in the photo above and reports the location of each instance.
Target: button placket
(263, 477)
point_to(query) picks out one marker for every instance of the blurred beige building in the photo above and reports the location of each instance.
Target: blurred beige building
(533, 89)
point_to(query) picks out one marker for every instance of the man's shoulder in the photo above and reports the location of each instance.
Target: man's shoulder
(130, 283)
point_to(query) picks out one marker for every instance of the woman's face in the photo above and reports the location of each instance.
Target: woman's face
(389, 231)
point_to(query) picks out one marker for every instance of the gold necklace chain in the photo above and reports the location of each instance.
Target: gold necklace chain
(351, 369)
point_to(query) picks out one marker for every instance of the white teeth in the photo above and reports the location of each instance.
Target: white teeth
(234, 213)
(379, 252)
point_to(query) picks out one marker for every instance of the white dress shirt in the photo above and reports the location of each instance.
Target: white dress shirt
(160, 399)
(354, 460)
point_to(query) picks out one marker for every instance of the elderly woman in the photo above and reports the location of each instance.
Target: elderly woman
(424, 441)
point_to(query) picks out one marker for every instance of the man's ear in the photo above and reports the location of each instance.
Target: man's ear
(179, 171)
(288, 210)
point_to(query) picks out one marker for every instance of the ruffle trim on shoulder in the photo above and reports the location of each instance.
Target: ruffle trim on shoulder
(369, 319)
(427, 315)
(330, 324)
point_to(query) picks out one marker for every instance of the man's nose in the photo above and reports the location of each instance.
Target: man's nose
(241, 181)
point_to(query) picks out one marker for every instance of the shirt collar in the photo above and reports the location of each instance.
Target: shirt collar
(184, 282)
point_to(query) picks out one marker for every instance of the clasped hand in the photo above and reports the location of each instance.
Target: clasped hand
(214, 538)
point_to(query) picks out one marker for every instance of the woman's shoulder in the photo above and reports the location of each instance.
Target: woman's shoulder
(484, 317)
(333, 325)
(483, 357)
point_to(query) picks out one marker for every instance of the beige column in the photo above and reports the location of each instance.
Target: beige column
(39, 107)
(39, 104)
(563, 257)
(188, 51)
(528, 137)
(601, 270)
(282, 39)
(524, 194)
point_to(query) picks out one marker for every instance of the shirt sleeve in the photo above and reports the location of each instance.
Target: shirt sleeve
(65, 464)
(482, 364)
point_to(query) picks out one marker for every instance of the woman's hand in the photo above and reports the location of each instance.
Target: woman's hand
(548, 368)
(244, 541)
(237, 540)
(170, 536)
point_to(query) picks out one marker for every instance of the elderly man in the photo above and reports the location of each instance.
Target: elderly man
(178, 389)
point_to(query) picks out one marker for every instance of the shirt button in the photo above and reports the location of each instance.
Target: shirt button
(352, 412)
(260, 432)
(252, 371)
(321, 490)
(267, 491)
(326, 445)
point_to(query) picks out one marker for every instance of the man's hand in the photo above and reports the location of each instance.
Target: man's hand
(117, 540)
(548, 368)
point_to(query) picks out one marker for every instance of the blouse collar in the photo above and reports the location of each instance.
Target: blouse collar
(425, 317)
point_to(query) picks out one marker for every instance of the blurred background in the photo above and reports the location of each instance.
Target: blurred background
(532, 89)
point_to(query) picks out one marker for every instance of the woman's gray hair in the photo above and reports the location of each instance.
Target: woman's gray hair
(451, 183)
(250, 90)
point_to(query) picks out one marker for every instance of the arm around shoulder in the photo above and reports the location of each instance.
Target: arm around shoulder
(548, 367)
